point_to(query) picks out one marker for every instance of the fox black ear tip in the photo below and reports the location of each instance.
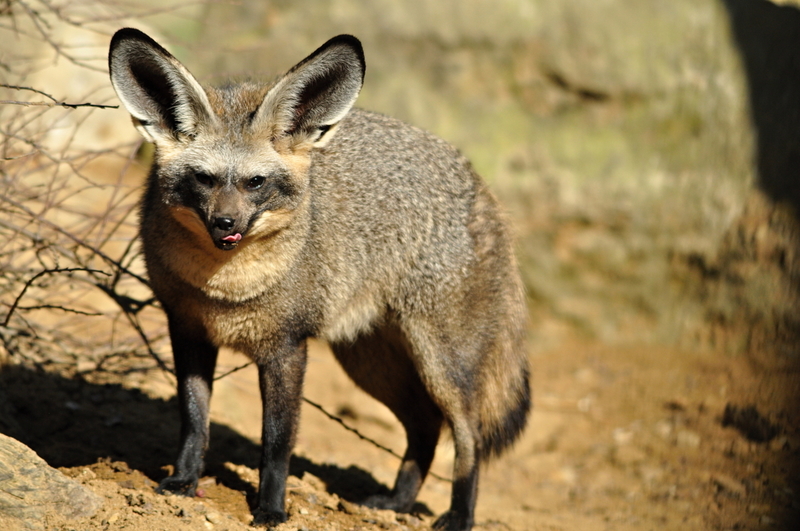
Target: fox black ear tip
(352, 42)
(347, 40)
(123, 33)
(129, 34)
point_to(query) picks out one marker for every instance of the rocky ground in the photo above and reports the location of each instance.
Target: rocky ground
(620, 438)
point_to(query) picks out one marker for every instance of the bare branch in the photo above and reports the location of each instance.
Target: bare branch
(58, 307)
(362, 436)
(40, 274)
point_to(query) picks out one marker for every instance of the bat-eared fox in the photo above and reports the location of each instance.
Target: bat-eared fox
(277, 212)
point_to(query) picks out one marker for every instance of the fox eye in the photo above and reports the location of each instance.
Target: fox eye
(256, 182)
(204, 179)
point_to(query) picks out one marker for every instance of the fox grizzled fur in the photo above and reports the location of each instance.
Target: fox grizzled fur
(274, 213)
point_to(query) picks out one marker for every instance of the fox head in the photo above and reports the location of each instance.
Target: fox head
(232, 163)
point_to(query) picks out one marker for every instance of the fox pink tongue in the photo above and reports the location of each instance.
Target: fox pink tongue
(233, 238)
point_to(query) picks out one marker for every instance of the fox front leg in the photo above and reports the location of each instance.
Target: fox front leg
(195, 359)
(281, 381)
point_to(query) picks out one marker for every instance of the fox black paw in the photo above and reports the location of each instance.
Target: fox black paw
(452, 521)
(182, 487)
(382, 501)
(268, 518)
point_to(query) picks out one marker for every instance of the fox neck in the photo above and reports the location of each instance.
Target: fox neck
(260, 260)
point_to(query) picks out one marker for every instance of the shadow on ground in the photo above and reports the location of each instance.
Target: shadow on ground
(70, 422)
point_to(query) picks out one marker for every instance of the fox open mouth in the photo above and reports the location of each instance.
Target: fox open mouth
(227, 243)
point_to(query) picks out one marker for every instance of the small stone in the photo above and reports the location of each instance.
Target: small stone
(87, 474)
(779, 443)
(688, 439)
(409, 519)
(126, 484)
(758, 508)
(85, 366)
(330, 502)
(585, 403)
(622, 436)
(350, 508)
(739, 448)
(728, 484)
(385, 516)
(214, 517)
(663, 428)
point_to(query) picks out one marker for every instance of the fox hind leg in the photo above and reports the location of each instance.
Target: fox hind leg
(379, 363)
(422, 435)
(450, 377)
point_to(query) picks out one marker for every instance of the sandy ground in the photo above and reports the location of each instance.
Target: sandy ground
(620, 438)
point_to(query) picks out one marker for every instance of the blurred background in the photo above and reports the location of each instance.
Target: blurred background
(647, 153)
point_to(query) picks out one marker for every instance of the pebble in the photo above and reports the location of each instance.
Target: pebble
(728, 484)
(87, 474)
(663, 428)
(758, 508)
(409, 519)
(622, 435)
(739, 448)
(214, 517)
(585, 403)
(780, 443)
(688, 439)
(350, 508)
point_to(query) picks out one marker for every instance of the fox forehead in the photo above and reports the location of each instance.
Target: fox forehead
(223, 158)
(232, 147)
(235, 103)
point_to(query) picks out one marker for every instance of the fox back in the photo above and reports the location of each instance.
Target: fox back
(277, 212)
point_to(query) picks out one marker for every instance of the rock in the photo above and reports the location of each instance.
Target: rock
(30, 489)
(729, 485)
(688, 439)
(780, 443)
(215, 518)
(351, 508)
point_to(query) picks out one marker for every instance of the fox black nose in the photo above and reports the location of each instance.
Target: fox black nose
(224, 223)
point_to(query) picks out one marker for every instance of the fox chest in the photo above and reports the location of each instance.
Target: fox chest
(246, 327)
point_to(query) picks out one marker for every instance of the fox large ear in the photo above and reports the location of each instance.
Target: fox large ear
(305, 105)
(164, 99)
